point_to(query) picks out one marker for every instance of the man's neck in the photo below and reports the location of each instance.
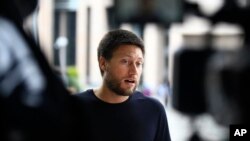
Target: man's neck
(106, 95)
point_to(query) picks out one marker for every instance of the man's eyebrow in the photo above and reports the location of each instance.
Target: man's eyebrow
(140, 58)
(127, 55)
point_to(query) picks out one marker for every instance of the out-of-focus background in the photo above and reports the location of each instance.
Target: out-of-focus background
(194, 63)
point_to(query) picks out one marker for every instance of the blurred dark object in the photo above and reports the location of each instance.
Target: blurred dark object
(228, 72)
(189, 80)
(195, 137)
(34, 104)
(20, 9)
(143, 11)
(223, 84)
(233, 11)
(228, 77)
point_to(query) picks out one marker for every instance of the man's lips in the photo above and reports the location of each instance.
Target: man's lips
(130, 81)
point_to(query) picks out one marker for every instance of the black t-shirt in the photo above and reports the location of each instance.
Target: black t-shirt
(139, 118)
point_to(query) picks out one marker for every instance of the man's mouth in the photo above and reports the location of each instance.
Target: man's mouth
(130, 81)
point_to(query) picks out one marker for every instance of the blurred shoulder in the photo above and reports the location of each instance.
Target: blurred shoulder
(147, 100)
(84, 94)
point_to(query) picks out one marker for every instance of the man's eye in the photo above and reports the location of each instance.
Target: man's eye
(124, 61)
(139, 64)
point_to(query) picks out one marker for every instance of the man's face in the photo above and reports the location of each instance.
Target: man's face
(123, 71)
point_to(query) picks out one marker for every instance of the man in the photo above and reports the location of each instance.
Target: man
(116, 111)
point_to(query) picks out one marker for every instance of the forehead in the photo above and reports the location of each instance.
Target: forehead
(128, 50)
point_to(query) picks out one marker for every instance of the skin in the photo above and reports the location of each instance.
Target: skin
(121, 74)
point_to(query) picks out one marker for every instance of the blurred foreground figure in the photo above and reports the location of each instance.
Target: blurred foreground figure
(34, 104)
(116, 111)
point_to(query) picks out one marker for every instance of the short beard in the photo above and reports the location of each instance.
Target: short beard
(114, 86)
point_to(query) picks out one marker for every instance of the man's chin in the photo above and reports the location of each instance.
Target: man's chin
(128, 92)
(123, 91)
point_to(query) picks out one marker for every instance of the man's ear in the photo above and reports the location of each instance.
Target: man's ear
(102, 63)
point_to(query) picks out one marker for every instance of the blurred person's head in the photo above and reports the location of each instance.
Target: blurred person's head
(17, 10)
(121, 56)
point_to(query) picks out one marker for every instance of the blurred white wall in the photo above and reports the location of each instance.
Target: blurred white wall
(154, 67)
(45, 27)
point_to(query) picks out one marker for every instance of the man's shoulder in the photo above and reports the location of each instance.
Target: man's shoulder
(84, 94)
(138, 96)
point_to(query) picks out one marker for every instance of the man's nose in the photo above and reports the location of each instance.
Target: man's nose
(133, 69)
